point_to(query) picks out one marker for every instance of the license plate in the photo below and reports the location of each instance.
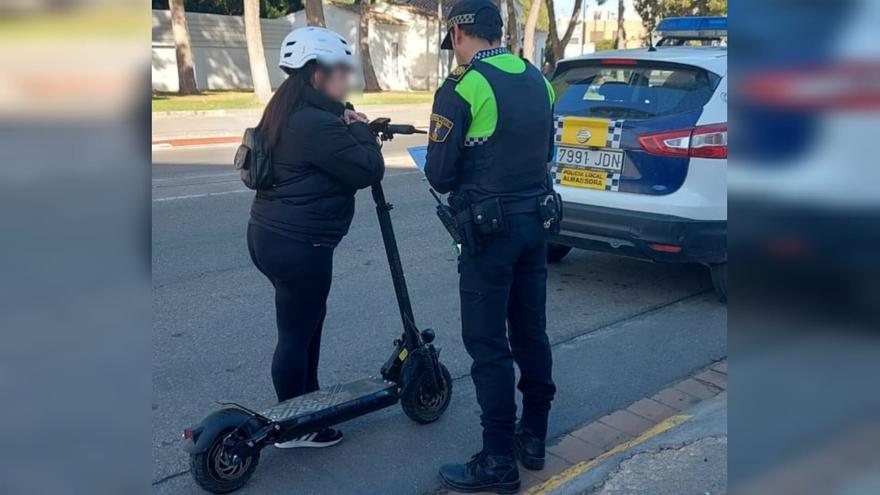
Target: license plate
(581, 157)
(580, 177)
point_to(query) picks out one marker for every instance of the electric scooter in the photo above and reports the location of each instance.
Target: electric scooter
(225, 447)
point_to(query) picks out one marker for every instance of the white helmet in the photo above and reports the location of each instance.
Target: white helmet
(315, 43)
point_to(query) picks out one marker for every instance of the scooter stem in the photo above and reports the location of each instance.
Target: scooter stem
(383, 209)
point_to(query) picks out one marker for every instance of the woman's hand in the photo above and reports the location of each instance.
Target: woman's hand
(350, 117)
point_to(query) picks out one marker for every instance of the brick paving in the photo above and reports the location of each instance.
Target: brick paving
(574, 450)
(698, 389)
(652, 410)
(675, 399)
(713, 377)
(601, 435)
(627, 422)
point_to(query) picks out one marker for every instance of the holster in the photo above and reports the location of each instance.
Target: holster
(488, 216)
(448, 219)
(464, 222)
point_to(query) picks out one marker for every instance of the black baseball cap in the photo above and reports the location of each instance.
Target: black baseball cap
(471, 12)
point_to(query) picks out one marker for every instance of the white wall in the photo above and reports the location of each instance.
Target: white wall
(412, 63)
(404, 47)
(540, 43)
(219, 51)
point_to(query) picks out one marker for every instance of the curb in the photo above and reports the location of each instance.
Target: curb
(194, 141)
(577, 451)
(232, 112)
(208, 113)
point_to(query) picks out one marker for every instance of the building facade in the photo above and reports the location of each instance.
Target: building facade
(404, 46)
(601, 25)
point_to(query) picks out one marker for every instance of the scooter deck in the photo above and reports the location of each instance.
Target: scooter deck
(361, 393)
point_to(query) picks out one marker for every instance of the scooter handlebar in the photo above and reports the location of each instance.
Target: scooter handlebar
(404, 129)
(385, 130)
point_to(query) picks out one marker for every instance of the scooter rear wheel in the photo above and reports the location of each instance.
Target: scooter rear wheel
(215, 472)
(424, 405)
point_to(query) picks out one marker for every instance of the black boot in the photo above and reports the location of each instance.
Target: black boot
(529, 449)
(483, 473)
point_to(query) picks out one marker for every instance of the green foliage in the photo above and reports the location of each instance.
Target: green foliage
(652, 11)
(603, 45)
(232, 100)
(268, 8)
(543, 18)
(716, 7)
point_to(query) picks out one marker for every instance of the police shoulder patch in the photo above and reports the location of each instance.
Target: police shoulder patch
(458, 72)
(440, 127)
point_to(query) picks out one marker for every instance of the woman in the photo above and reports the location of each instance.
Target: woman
(322, 154)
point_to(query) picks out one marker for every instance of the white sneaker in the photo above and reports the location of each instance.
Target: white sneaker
(327, 437)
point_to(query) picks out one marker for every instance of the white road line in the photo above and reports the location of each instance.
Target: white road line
(223, 193)
(189, 177)
(408, 172)
(205, 195)
(195, 147)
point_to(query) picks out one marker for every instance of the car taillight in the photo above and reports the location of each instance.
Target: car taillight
(849, 85)
(670, 143)
(705, 141)
(709, 141)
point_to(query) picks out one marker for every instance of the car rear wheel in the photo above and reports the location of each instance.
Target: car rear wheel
(719, 280)
(555, 252)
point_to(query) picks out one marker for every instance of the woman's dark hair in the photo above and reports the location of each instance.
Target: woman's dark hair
(287, 97)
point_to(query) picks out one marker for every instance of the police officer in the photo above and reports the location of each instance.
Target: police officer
(490, 139)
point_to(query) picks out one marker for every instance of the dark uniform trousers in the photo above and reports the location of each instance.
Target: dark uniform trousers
(503, 297)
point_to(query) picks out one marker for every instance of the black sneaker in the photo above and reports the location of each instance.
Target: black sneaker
(483, 473)
(529, 449)
(324, 438)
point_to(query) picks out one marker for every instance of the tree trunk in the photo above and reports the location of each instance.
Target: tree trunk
(254, 36)
(572, 24)
(186, 74)
(512, 27)
(702, 7)
(529, 34)
(557, 43)
(315, 13)
(620, 37)
(371, 83)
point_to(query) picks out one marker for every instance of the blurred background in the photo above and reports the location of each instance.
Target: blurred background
(75, 276)
(803, 238)
(804, 209)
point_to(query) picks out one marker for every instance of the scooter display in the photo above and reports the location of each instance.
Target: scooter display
(225, 447)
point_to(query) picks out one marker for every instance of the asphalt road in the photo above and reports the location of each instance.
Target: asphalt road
(621, 329)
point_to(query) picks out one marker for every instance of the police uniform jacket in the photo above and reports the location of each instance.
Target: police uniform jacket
(491, 131)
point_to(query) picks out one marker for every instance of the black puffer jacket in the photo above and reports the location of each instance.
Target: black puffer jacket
(319, 165)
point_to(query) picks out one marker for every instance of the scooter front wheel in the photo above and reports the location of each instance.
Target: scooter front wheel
(217, 472)
(424, 404)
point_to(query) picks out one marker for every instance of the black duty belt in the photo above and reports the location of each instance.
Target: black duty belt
(510, 207)
(520, 206)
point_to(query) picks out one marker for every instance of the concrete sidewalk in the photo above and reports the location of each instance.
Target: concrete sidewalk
(688, 457)
(211, 126)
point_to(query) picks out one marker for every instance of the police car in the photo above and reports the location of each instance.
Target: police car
(641, 149)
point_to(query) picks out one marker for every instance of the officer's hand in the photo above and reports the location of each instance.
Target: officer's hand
(350, 117)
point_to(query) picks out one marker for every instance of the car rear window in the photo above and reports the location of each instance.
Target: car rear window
(640, 91)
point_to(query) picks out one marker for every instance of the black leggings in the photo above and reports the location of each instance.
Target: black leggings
(301, 274)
